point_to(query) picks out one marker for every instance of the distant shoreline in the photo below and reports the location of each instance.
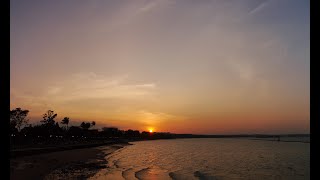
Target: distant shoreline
(280, 140)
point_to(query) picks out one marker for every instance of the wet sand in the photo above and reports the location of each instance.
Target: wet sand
(68, 164)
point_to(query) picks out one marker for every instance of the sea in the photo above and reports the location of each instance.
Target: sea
(210, 158)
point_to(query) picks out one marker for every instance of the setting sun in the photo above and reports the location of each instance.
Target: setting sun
(224, 82)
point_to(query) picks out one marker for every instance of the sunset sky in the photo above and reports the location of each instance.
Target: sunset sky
(183, 66)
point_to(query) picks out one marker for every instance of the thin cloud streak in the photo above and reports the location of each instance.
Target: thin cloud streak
(259, 7)
(86, 86)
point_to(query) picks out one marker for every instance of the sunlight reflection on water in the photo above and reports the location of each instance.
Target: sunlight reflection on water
(209, 159)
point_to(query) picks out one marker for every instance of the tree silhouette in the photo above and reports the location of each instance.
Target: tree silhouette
(85, 126)
(65, 121)
(93, 123)
(13, 129)
(111, 131)
(18, 118)
(48, 118)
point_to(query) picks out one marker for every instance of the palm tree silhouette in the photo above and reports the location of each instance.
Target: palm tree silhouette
(65, 121)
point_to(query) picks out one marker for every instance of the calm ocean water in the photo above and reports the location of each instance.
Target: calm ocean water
(209, 159)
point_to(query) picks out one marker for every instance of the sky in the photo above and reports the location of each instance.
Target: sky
(180, 66)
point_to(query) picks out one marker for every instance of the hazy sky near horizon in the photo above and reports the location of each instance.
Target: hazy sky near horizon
(184, 66)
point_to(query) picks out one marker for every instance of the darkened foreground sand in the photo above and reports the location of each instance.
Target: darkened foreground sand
(68, 164)
(30, 150)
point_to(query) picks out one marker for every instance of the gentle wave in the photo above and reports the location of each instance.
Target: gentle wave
(204, 159)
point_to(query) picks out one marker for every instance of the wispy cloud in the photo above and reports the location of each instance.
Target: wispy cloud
(252, 83)
(54, 90)
(244, 70)
(154, 118)
(84, 86)
(133, 10)
(91, 85)
(149, 6)
(259, 7)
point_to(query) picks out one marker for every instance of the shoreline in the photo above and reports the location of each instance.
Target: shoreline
(64, 164)
(280, 140)
(39, 150)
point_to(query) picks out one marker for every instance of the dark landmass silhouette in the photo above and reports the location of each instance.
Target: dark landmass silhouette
(50, 136)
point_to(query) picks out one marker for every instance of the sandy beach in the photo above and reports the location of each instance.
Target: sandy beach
(68, 164)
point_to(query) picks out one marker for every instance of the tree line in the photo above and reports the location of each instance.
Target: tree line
(18, 119)
(49, 128)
